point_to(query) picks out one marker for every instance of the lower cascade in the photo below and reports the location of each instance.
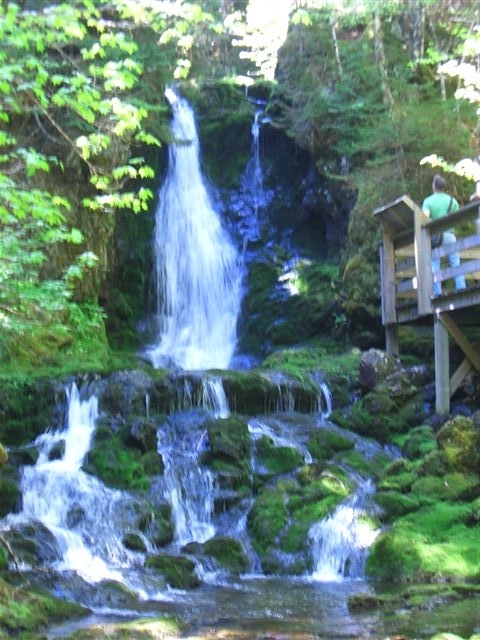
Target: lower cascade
(105, 548)
(70, 504)
(341, 541)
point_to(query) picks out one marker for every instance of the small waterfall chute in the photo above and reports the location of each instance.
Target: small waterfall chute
(71, 504)
(340, 542)
(197, 268)
(259, 429)
(186, 485)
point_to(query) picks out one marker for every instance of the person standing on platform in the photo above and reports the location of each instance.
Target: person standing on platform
(438, 205)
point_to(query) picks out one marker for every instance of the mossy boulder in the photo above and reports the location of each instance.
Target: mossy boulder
(323, 443)
(33, 544)
(228, 552)
(10, 496)
(451, 486)
(268, 517)
(156, 523)
(229, 437)
(435, 542)
(274, 459)
(178, 571)
(27, 612)
(395, 504)
(134, 542)
(419, 441)
(116, 465)
(27, 406)
(283, 513)
(459, 439)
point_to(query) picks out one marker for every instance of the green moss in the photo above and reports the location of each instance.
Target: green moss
(277, 460)
(419, 441)
(229, 552)
(450, 486)
(31, 610)
(10, 496)
(178, 571)
(459, 439)
(399, 482)
(324, 443)
(267, 518)
(395, 504)
(432, 543)
(26, 407)
(229, 439)
(117, 465)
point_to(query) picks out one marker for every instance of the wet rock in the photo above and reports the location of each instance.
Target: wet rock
(178, 571)
(373, 368)
(459, 440)
(134, 542)
(144, 435)
(228, 552)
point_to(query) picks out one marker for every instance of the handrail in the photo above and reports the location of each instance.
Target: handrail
(406, 283)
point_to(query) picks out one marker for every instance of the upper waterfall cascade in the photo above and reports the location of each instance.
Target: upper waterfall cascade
(197, 268)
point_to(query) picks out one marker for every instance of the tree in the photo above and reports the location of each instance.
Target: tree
(67, 76)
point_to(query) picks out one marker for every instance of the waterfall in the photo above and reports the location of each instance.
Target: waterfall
(341, 541)
(214, 396)
(186, 485)
(253, 177)
(71, 504)
(251, 201)
(259, 429)
(197, 269)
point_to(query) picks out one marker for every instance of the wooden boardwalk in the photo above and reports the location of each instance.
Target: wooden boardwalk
(407, 285)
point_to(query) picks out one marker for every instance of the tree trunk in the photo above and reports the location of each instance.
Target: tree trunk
(381, 63)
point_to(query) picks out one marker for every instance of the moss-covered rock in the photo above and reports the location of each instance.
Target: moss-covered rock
(324, 443)
(268, 517)
(178, 571)
(229, 438)
(25, 610)
(434, 542)
(276, 460)
(116, 465)
(419, 441)
(27, 406)
(10, 496)
(228, 552)
(156, 523)
(459, 440)
(395, 504)
(134, 542)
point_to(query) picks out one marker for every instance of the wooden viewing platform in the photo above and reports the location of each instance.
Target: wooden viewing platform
(407, 285)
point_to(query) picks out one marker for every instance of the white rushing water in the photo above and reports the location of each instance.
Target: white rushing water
(341, 541)
(186, 485)
(71, 504)
(197, 268)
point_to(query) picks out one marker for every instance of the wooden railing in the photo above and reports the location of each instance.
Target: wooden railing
(406, 261)
(407, 285)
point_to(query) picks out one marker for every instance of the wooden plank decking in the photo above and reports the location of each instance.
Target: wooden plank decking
(407, 284)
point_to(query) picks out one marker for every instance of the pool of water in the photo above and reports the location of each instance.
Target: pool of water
(297, 609)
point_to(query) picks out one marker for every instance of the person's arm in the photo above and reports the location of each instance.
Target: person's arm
(426, 210)
(476, 194)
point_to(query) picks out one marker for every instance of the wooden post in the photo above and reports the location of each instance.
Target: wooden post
(423, 263)
(391, 340)
(442, 367)
(389, 293)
